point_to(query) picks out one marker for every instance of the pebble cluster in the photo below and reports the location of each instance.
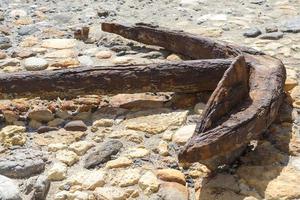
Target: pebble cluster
(124, 146)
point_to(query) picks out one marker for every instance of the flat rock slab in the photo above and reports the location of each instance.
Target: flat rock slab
(22, 163)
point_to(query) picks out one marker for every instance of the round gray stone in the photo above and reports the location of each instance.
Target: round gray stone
(35, 64)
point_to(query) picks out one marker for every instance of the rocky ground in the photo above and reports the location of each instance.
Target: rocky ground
(124, 146)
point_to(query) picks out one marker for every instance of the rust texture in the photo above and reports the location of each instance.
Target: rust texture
(247, 87)
(187, 76)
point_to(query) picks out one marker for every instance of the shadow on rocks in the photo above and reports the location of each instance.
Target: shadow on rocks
(267, 171)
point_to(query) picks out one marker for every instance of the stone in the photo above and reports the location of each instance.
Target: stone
(199, 107)
(2, 55)
(23, 53)
(120, 162)
(271, 28)
(63, 53)
(85, 61)
(110, 193)
(64, 63)
(67, 157)
(167, 135)
(77, 125)
(41, 114)
(128, 177)
(29, 41)
(163, 148)
(56, 146)
(183, 134)
(149, 183)
(13, 135)
(77, 195)
(59, 136)
(174, 57)
(9, 189)
(56, 122)
(173, 191)
(130, 135)
(138, 101)
(35, 64)
(103, 54)
(81, 147)
(38, 50)
(5, 42)
(22, 163)
(34, 124)
(105, 122)
(102, 153)
(291, 25)
(272, 36)
(9, 62)
(252, 32)
(134, 136)
(197, 170)
(57, 172)
(138, 152)
(17, 13)
(41, 188)
(27, 30)
(10, 116)
(290, 83)
(86, 180)
(122, 60)
(171, 175)
(295, 93)
(59, 43)
(155, 121)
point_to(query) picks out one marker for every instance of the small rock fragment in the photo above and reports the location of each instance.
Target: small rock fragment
(171, 175)
(67, 157)
(128, 177)
(272, 36)
(86, 180)
(136, 152)
(57, 172)
(119, 163)
(111, 193)
(77, 125)
(163, 148)
(41, 114)
(183, 134)
(103, 54)
(149, 183)
(252, 32)
(41, 188)
(44, 129)
(102, 153)
(81, 147)
(59, 43)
